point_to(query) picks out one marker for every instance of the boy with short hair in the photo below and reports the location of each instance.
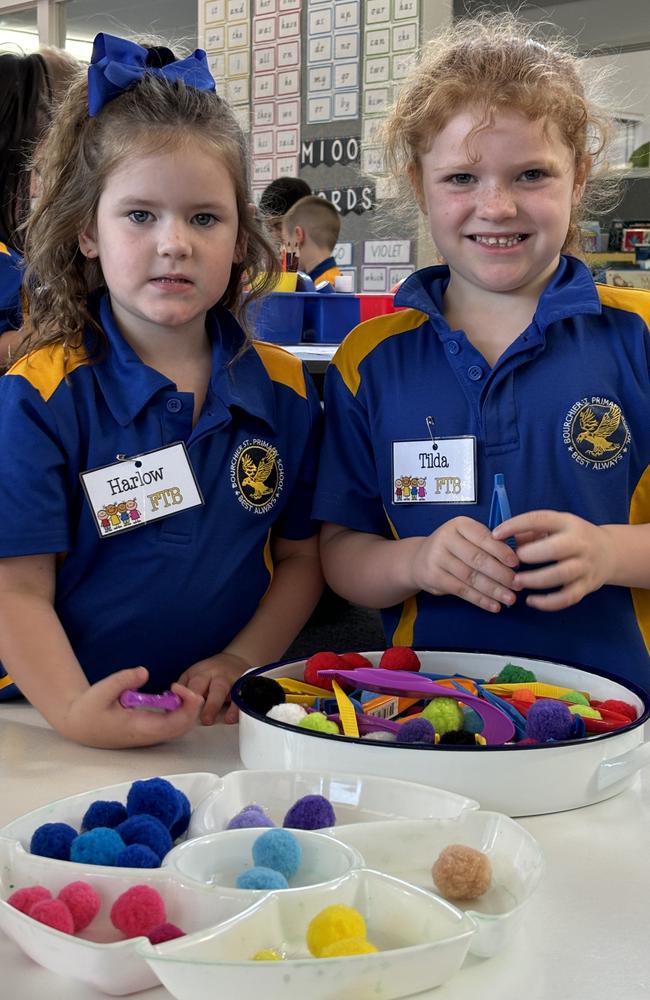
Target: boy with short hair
(313, 225)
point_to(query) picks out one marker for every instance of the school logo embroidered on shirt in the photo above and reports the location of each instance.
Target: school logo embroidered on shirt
(256, 475)
(596, 432)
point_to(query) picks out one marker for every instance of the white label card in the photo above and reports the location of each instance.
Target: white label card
(442, 470)
(143, 488)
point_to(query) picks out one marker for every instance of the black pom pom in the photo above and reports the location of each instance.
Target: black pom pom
(261, 693)
(460, 737)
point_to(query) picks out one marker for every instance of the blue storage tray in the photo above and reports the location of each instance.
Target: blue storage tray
(329, 317)
(278, 317)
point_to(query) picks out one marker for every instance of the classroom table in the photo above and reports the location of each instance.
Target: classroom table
(584, 935)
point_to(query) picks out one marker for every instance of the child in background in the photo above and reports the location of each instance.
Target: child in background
(313, 225)
(507, 359)
(136, 253)
(276, 200)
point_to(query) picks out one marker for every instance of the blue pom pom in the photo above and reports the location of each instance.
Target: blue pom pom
(53, 840)
(416, 731)
(261, 878)
(549, 720)
(156, 797)
(100, 846)
(311, 812)
(137, 856)
(249, 816)
(180, 825)
(102, 813)
(146, 830)
(278, 849)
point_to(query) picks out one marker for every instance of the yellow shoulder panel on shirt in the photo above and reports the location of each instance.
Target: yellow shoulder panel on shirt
(282, 366)
(46, 367)
(636, 300)
(4, 249)
(365, 337)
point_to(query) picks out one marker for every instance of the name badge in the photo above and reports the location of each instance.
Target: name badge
(141, 488)
(437, 470)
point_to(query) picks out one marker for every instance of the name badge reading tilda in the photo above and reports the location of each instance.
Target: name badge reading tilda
(438, 470)
(141, 488)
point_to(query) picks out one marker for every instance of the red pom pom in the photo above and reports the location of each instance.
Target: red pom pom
(54, 913)
(321, 661)
(24, 899)
(619, 707)
(165, 932)
(82, 901)
(399, 658)
(138, 910)
(352, 661)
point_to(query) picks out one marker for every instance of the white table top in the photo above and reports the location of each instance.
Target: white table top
(584, 935)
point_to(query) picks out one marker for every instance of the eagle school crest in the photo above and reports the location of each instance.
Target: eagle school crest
(256, 475)
(596, 432)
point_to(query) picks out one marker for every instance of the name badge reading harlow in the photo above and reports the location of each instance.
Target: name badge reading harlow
(438, 470)
(140, 489)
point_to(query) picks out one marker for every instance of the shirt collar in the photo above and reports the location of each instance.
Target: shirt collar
(321, 268)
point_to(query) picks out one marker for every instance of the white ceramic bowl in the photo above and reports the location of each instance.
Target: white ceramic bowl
(407, 849)
(423, 941)
(517, 780)
(355, 798)
(217, 859)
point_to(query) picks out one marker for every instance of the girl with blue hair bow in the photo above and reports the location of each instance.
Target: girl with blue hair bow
(158, 466)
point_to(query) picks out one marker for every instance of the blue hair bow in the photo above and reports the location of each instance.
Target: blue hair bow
(118, 64)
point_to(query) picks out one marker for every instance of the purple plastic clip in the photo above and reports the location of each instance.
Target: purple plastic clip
(165, 702)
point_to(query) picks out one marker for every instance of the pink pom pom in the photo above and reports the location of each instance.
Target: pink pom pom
(165, 932)
(399, 658)
(82, 901)
(24, 899)
(54, 913)
(138, 910)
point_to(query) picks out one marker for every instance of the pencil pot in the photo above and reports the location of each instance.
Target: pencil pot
(328, 318)
(278, 317)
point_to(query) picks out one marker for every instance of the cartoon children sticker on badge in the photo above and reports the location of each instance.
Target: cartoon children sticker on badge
(113, 516)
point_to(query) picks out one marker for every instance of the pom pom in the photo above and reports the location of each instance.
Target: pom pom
(249, 816)
(462, 872)
(100, 813)
(321, 661)
(513, 674)
(311, 812)
(335, 923)
(348, 946)
(138, 910)
(291, 713)
(574, 698)
(156, 797)
(180, 825)
(416, 731)
(352, 661)
(399, 658)
(83, 903)
(261, 878)
(444, 714)
(380, 736)
(137, 856)
(100, 846)
(549, 720)
(585, 711)
(24, 899)
(53, 840)
(54, 913)
(620, 707)
(147, 830)
(261, 693)
(164, 932)
(472, 721)
(319, 723)
(459, 738)
(266, 955)
(278, 849)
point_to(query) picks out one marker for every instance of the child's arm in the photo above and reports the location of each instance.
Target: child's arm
(35, 651)
(296, 586)
(583, 556)
(461, 558)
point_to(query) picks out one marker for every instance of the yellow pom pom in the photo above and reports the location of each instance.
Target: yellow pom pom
(267, 955)
(348, 946)
(334, 923)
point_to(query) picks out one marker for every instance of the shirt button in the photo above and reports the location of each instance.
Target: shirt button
(453, 347)
(475, 373)
(174, 405)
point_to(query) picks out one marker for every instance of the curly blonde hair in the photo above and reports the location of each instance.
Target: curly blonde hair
(75, 161)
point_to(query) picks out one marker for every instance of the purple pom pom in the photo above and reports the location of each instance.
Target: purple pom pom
(100, 846)
(137, 856)
(549, 720)
(416, 731)
(311, 812)
(179, 827)
(249, 816)
(146, 830)
(53, 840)
(103, 813)
(156, 797)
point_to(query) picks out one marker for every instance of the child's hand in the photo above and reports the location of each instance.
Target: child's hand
(581, 555)
(464, 559)
(97, 719)
(213, 679)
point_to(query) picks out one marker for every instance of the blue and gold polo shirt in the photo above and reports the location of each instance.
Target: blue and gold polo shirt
(11, 280)
(563, 414)
(176, 590)
(327, 270)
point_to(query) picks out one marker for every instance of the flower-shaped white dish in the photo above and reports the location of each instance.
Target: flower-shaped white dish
(100, 956)
(355, 798)
(216, 860)
(423, 940)
(408, 849)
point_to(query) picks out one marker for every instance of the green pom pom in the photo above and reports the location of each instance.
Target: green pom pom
(320, 723)
(512, 674)
(445, 715)
(586, 711)
(574, 698)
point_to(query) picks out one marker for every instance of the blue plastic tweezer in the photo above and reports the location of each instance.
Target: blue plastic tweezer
(500, 505)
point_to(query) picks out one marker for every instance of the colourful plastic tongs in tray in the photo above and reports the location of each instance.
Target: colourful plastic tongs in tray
(497, 727)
